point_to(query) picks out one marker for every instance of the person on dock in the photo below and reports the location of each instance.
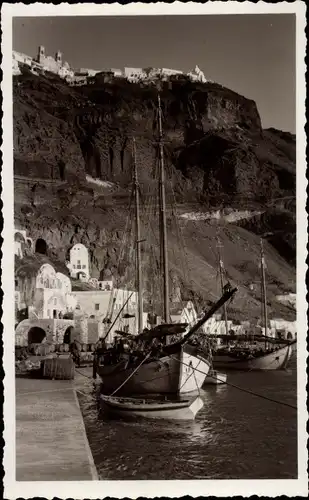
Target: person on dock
(75, 353)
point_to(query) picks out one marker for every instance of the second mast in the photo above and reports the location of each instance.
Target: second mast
(163, 229)
(138, 244)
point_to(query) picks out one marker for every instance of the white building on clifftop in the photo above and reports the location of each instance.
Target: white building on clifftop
(197, 75)
(152, 74)
(41, 63)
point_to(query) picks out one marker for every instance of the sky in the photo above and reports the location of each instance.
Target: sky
(254, 55)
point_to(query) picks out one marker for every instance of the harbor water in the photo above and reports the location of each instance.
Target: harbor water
(235, 436)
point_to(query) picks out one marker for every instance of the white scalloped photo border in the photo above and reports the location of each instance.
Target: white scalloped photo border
(149, 489)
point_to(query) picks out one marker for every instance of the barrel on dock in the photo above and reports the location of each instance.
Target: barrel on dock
(44, 350)
(79, 346)
(66, 347)
(58, 368)
(39, 349)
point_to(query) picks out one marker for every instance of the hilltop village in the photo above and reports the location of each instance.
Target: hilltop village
(43, 63)
(62, 301)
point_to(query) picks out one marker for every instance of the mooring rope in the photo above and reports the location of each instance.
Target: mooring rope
(141, 382)
(248, 391)
(83, 374)
(242, 389)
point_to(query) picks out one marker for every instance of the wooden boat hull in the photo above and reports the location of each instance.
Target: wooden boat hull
(215, 378)
(171, 374)
(276, 360)
(169, 410)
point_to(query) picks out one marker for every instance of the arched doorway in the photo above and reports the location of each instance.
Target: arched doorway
(36, 335)
(41, 246)
(289, 336)
(68, 335)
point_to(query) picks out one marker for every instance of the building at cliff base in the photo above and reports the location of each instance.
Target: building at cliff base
(23, 245)
(115, 310)
(79, 262)
(288, 299)
(183, 312)
(41, 290)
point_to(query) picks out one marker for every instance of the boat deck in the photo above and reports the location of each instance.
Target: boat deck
(51, 442)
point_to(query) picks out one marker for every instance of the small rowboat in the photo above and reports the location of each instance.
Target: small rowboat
(151, 408)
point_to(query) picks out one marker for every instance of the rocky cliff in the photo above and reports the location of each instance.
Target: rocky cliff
(217, 156)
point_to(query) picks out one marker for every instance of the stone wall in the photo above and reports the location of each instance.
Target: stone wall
(54, 330)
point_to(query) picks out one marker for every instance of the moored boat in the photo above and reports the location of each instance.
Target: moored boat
(168, 374)
(151, 408)
(274, 359)
(265, 353)
(175, 368)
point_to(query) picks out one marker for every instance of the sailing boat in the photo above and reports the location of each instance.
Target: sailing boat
(274, 356)
(169, 368)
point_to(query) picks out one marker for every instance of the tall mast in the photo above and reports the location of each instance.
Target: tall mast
(163, 231)
(138, 244)
(264, 289)
(221, 269)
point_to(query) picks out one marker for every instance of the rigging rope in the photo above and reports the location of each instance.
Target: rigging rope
(119, 312)
(131, 374)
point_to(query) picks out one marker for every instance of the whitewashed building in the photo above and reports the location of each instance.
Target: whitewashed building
(183, 312)
(288, 299)
(22, 243)
(53, 297)
(79, 262)
(287, 329)
(197, 75)
(106, 285)
(41, 292)
(93, 303)
(54, 64)
(107, 307)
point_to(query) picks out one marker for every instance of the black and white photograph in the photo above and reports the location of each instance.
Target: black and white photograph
(154, 246)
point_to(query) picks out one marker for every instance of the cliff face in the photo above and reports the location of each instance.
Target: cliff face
(216, 154)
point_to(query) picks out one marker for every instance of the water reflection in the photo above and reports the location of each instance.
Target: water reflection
(235, 435)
